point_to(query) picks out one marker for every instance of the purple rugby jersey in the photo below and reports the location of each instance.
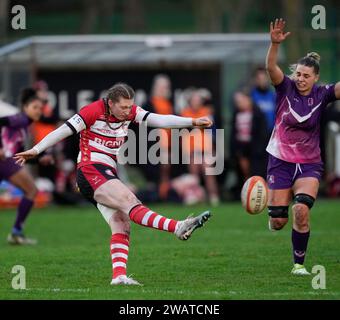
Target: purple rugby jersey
(296, 135)
(14, 134)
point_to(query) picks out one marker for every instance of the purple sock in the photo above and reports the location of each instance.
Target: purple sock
(24, 208)
(299, 241)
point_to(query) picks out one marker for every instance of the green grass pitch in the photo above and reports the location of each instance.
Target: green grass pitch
(233, 257)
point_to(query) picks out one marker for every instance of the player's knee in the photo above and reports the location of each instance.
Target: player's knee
(278, 223)
(278, 212)
(120, 218)
(301, 216)
(278, 215)
(123, 227)
(120, 223)
(302, 204)
(120, 227)
(129, 200)
(304, 199)
(31, 192)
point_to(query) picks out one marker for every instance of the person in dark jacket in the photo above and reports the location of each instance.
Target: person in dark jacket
(248, 138)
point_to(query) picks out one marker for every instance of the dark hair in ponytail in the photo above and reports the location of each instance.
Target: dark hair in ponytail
(27, 95)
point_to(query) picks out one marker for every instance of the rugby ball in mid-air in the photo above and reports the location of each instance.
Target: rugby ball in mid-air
(254, 195)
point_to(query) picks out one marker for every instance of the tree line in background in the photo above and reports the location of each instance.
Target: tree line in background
(177, 16)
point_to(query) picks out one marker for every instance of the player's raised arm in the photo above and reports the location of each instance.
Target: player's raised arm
(73, 125)
(277, 35)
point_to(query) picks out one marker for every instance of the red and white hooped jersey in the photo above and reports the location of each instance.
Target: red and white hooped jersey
(98, 142)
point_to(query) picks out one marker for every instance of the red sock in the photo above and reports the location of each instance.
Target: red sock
(119, 253)
(144, 216)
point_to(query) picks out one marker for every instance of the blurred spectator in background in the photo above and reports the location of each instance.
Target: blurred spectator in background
(263, 96)
(48, 120)
(330, 145)
(200, 141)
(63, 173)
(159, 102)
(46, 124)
(249, 137)
(185, 189)
(66, 190)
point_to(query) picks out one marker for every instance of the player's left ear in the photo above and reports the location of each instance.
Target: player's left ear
(317, 78)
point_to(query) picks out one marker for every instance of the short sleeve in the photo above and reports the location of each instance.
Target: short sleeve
(328, 93)
(283, 88)
(285, 85)
(76, 123)
(91, 112)
(139, 114)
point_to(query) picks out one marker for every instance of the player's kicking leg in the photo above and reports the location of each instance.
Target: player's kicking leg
(114, 194)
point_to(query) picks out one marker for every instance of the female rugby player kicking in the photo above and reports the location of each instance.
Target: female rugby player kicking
(103, 127)
(295, 166)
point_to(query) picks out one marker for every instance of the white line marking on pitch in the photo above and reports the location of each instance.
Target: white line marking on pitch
(179, 292)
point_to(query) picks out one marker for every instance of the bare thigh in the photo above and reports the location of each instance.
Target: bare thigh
(309, 186)
(280, 197)
(116, 195)
(23, 180)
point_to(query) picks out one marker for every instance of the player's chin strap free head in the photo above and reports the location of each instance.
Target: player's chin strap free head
(305, 199)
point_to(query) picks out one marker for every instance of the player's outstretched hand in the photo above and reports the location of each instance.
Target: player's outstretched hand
(277, 34)
(203, 122)
(22, 157)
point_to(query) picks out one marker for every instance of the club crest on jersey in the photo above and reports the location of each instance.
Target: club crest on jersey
(310, 101)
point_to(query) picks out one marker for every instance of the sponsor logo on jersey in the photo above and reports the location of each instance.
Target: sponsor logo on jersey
(109, 143)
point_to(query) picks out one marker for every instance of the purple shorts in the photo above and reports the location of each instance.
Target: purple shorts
(282, 174)
(8, 167)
